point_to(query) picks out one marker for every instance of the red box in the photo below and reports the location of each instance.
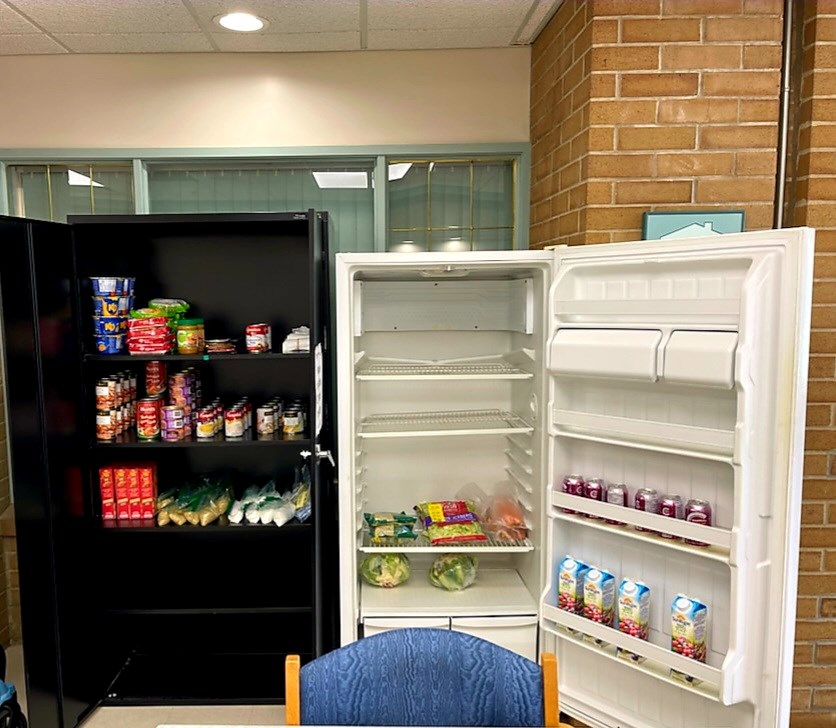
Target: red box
(120, 479)
(148, 489)
(108, 494)
(134, 499)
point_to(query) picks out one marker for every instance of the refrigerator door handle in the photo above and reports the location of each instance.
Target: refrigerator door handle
(320, 454)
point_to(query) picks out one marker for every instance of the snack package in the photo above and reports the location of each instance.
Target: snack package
(300, 496)
(385, 570)
(383, 526)
(453, 572)
(447, 522)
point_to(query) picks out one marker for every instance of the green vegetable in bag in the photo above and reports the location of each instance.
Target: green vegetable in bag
(453, 572)
(386, 570)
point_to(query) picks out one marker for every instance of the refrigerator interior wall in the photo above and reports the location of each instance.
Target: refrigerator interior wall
(686, 393)
(448, 390)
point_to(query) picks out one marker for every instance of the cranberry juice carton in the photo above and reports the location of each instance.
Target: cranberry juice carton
(633, 614)
(688, 628)
(120, 484)
(570, 576)
(108, 493)
(599, 598)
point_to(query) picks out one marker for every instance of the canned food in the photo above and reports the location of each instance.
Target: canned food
(104, 397)
(132, 380)
(155, 378)
(617, 496)
(104, 426)
(259, 338)
(670, 506)
(147, 419)
(292, 422)
(265, 420)
(205, 423)
(172, 434)
(173, 416)
(698, 511)
(234, 422)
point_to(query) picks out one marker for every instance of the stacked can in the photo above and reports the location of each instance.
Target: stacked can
(295, 417)
(173, 423)
(269, 417)
(209, 420)
(155, 378)
(115, 405)
(184, 391)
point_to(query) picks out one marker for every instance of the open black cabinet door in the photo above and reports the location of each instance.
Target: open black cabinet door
(36, 282)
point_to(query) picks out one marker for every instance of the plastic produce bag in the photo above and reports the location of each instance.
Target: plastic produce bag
(453, 572)
(300, 496)
(384, 526)
(500, 514)
(449, 522)
(386, 570)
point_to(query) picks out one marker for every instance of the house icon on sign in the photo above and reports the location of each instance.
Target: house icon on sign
(694, 230)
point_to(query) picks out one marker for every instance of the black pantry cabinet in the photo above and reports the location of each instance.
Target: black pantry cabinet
(133, 615)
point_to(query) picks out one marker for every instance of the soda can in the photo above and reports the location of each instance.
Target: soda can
(646, 500)
(572, 485)
(594, 489)
(617, 496)
(155, 378)
(670, 506)
(698, 511)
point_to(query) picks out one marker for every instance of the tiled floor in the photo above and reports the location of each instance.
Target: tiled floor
(223, 715)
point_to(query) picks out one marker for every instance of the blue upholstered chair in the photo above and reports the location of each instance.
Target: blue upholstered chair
(422, 677)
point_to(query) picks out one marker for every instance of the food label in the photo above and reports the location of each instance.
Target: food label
(108, 494)
(599, 596)
(570, 578)
(688, 618)
(134, 498)
(633, 613)
(120, 479)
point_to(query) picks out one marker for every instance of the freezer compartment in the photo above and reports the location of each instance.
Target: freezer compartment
(667, 572)
(518, 634)
(376, 625)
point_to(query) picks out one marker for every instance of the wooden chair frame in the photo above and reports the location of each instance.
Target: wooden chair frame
(548, 663)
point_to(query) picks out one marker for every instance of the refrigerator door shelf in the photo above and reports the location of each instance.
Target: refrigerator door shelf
(618, 353)
(660, 660)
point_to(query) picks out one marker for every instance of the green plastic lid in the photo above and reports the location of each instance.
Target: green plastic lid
(190, 322)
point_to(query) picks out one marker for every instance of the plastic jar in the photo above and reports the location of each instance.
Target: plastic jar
(190, 336)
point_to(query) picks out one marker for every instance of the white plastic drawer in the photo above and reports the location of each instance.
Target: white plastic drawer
(376, 625)
(702, 358)
(612, 353)
(518, 634)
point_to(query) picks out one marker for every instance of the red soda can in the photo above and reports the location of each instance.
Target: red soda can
(594, 489)
(572, 485)
(698, 511)
(670, 506)
(155, 378)
(646, 500)
(617, 496)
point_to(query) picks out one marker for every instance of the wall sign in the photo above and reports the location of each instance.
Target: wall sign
(672, 225)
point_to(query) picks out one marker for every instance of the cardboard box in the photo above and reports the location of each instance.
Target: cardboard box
(120, 479)
(107, 491)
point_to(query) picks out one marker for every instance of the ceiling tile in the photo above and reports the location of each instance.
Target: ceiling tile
(446, 14)
(108, 16)
(264, 43)
(135, 42)
(414, 39)
(13, 22)
(288, 16)
(22, 44)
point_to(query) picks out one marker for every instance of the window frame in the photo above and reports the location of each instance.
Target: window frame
(140, 159)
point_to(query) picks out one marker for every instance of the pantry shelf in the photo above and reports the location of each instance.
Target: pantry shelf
(443, 424)
(720, 539)
(248, 440)
(420, 546)
(659, 660)
(497, 592)
(193, 357)
(248, 530)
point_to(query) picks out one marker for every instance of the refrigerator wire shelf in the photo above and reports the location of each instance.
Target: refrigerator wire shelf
(489, 370)
(441, 424)
(422, 546)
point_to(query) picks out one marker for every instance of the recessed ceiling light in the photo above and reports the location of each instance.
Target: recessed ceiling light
(341, 180)
(242, 22)
(76, 179)
(398, 170)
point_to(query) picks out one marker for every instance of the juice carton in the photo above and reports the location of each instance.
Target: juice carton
(633, 614)
(108, 494)
(120, 485)
(688, 628)
(147, 490)
(570, 576)
(599, 599)
(134, 500)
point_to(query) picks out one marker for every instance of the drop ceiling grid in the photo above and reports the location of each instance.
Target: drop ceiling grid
(187, 26)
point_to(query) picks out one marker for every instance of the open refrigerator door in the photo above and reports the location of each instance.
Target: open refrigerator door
(678, 367)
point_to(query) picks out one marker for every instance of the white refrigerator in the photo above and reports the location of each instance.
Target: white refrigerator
(676, 365)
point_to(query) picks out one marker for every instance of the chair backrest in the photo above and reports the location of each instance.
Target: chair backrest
(422, 677)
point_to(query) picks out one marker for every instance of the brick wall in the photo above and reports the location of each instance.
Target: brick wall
(682, 107)
(683, 110)
(813, 202)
